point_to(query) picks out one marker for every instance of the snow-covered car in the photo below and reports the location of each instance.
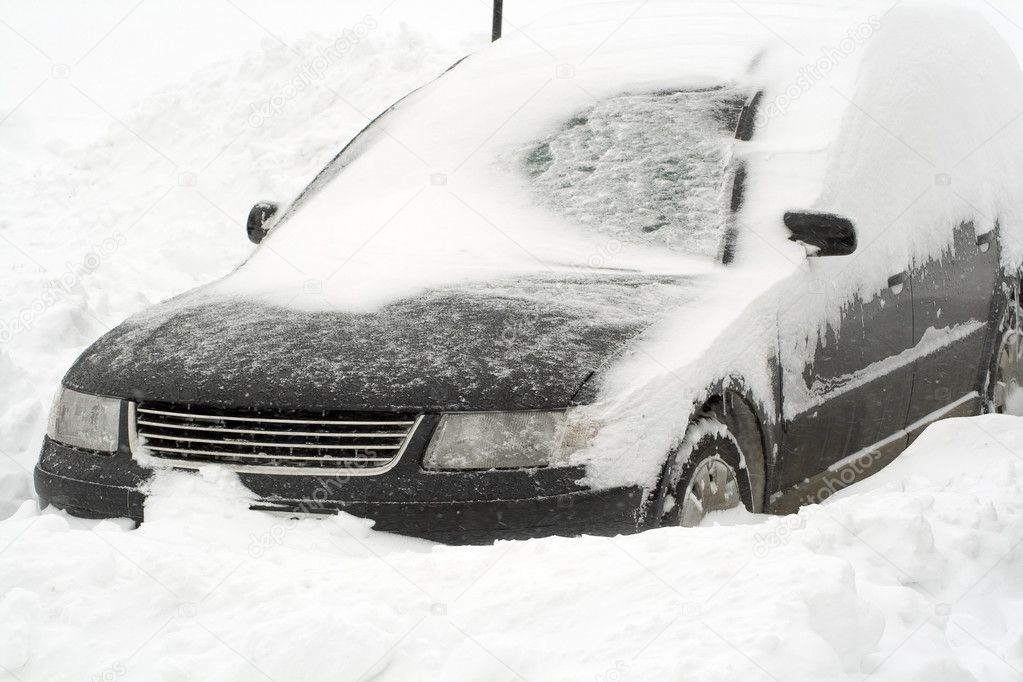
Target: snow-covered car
(617, 288)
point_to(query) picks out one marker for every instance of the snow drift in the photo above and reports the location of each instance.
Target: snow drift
(913, 575)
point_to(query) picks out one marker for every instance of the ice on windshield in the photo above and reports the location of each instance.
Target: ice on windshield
(651, 168)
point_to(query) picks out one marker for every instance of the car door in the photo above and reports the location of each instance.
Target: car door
(850, 391)
(952, 297)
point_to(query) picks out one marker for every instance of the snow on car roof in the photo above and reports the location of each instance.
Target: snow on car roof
(437, 192)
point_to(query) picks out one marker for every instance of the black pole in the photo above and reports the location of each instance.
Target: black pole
(498, 10)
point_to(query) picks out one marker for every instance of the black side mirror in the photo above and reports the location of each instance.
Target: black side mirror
(824, 234)
(258, 224)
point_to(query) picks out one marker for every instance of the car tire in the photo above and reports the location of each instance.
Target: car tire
(1004, 394)
(706, 472)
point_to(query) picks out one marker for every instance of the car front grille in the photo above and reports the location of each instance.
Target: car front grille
(273, 442)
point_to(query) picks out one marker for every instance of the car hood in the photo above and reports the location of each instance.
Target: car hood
(528, 343)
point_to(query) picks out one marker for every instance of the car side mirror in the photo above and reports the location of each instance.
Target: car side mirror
(258, 224)
(823, 234)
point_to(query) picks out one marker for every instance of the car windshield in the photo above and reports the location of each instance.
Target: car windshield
(628, 174)
(649, 168)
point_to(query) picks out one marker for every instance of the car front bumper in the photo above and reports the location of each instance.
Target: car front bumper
(452, 507)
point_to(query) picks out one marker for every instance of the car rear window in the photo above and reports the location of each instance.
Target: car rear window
(652, 168)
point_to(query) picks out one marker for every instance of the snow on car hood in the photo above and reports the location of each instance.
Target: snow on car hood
(523, 344)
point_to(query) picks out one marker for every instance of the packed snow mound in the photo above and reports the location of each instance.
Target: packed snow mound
(931, 139)
(950, 454)
(912, 576)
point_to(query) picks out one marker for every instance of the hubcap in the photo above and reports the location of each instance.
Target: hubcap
(1007, 385)
(712, 488)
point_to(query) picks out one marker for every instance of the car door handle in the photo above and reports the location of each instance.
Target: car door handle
(897, 282)
(984, 240)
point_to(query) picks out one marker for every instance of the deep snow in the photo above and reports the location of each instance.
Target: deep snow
(914, 576)
(918, 577)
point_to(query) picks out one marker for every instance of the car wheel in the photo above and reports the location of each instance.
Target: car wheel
(703, 474)
(1005, 395)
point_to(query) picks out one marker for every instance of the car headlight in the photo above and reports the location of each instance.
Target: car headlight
(89, 422)
(506, 440)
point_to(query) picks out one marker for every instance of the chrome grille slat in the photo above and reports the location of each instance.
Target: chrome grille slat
(261, 444)
(290, 442)
(324, 434)
(239, 455)
(265, 420)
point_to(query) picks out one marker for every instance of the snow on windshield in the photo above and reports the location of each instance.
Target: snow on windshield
(651, 168)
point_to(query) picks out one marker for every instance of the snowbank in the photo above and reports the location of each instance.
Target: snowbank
(913, 576)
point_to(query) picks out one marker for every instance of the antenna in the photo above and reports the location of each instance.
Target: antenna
(495, 32)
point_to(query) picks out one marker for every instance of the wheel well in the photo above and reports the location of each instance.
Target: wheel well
(745, 425)
(1008, 291)
(739, 415)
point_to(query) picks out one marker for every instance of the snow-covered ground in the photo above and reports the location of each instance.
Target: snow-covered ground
(914, 577)
(134, 136)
